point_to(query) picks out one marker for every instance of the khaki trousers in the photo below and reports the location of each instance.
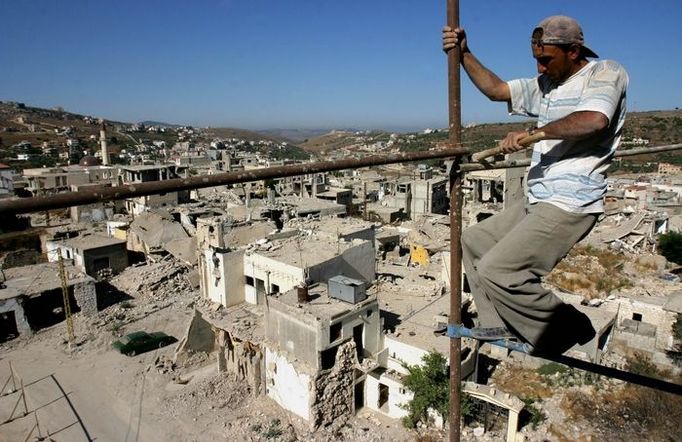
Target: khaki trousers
(505, 257)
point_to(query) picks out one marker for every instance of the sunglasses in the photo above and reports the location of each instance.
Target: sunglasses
(536, 37)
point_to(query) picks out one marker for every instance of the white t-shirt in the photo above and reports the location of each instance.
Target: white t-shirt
(570, 174)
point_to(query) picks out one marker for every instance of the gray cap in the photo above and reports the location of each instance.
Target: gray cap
(560, 29)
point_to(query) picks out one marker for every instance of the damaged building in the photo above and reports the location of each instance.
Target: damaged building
(231, 275)
(323, 340)
(31, 297)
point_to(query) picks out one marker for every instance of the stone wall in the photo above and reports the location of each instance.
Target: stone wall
(333, 390)
(86, 297)
(244, 359)
(15, 305)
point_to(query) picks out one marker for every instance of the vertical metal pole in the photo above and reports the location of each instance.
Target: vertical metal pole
(67, 302)
(455, 120)
(364, 199)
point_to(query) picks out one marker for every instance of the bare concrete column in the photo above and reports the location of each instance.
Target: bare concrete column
(220, 344)
(103, 144)
(512, 426)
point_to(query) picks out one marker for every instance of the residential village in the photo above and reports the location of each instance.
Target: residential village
(300, 304)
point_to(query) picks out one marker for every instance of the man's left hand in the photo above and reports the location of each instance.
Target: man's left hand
(511, 144)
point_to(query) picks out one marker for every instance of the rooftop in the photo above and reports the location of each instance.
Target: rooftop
(321, 305)
(36, 279)
(147, 167)
(308, 251)
(89, 241)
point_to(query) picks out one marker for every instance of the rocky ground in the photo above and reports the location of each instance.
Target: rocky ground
(149, 397)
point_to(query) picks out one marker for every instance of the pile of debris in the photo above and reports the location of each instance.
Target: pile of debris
(157, 281)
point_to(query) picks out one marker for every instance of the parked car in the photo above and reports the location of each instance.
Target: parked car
(141, 341)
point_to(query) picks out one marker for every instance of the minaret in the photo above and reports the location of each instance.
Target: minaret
(103, 143)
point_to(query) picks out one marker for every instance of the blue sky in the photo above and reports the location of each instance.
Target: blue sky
(261, 64)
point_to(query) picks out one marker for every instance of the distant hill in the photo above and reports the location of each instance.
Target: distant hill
(149, 123)
(659, 127)
(21, 122)
(229, 132)
(300, 135)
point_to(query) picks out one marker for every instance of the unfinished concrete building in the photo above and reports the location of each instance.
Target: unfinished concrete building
(94, 255)
(143, 174)
(429, 196)
(645, 324)
(281, 266)
(309, 185)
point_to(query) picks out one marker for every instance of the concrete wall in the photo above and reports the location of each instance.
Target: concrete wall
(286, 385)
(650, 314)
(357, 262)
(514, 181)
(397, 395)
(15, 305)
(368, 317)
(429, 196)
(333, 390)
(297, 336)
(270, 271)
(86, 297)
(91, 213)
(140, 204)
(85, 259)
(244, 359)
(116, 253)
(118, 229)
(399, 352)
(222, 279)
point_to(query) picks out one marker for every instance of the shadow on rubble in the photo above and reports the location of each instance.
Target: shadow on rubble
(391, 320)
(485, 368)
(108, 295)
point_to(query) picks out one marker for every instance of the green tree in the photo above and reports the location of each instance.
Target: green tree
(670, 245)
(430, 384)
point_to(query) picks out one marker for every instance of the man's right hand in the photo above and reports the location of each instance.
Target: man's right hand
(454, 37)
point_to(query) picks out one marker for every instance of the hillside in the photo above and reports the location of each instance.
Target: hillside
(53, 127)
(242, 134)
(659, 127)
(34, 131)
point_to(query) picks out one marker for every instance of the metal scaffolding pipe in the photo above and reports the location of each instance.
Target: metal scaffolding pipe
(455, 126)
(470, 167)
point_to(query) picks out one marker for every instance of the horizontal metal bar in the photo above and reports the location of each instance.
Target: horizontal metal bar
(459, 331)
(102, 194)
(470, 167)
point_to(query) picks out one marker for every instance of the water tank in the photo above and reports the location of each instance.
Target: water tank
(347, 289)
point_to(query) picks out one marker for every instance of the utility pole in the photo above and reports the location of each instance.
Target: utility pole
(67, 303)
(364, 201)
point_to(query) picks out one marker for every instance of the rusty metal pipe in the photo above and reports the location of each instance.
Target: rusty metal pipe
(470, 167)
(455, 120)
